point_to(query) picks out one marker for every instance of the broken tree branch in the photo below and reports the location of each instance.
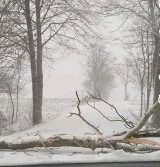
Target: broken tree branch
(88, 123)
(154, 109)
(128, 124)
(78, 103)
(87, 101)
(126, 140)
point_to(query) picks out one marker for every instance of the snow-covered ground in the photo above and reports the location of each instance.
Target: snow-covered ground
(57, 121)
(60, 123)
(71, 155)
(52, 109)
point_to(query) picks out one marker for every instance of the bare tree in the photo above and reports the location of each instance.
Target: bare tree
(36, 26)
(123, 71)
(140, 58)
(138, 77)
(149, 12)
(98, 71)
(11, 84)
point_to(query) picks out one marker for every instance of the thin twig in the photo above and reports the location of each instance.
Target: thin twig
(78, 103)
(87, 101)
(87, 122)
(129, 124)
(47, 149)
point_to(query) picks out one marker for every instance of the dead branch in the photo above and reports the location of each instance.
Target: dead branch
(128, 124)
(143, 133)
(154, 109)
(138, 149)
(125, 140)
(88, 123)
(82, 118)
(135, 132)
(78, 103)
(87, 101)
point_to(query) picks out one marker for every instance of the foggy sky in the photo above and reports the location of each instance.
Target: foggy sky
(67, 75)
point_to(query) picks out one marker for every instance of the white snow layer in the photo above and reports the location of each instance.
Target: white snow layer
(74, 126)
(47, 157)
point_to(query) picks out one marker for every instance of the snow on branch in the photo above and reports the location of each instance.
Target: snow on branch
(154, 109)
(128, 141)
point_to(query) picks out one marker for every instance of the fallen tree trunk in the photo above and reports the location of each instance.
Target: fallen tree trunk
(85, 141)
(91, 141)
(56, 141)
(88, 141)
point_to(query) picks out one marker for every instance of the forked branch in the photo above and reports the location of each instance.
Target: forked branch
(87, 122)
(128, 123)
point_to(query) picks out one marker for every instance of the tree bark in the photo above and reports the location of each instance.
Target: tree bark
(57, 141)
(13, 108)
(88, 141)
(39, 63)
(141, 110)
(32, 61)
(149, 74)
(156, 65)
(156, 69)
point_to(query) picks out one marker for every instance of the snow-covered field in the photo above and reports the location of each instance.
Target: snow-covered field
(57, 122)
(52, 109)
(56, 118)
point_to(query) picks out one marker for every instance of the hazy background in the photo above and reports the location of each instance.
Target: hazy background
(66, 75)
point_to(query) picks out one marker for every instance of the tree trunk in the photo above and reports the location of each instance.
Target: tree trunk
(149, 94)
(11, 98)
(58, 141)
(149, 74)
(32, 62)
(141, 110)
(18, 84)
(87, 141)
(156, 65)
(156, 69)
(13, 108)
(39, 62)
(148, 88)
(125, 91)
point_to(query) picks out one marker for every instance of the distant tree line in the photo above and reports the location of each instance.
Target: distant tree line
(98, 70)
